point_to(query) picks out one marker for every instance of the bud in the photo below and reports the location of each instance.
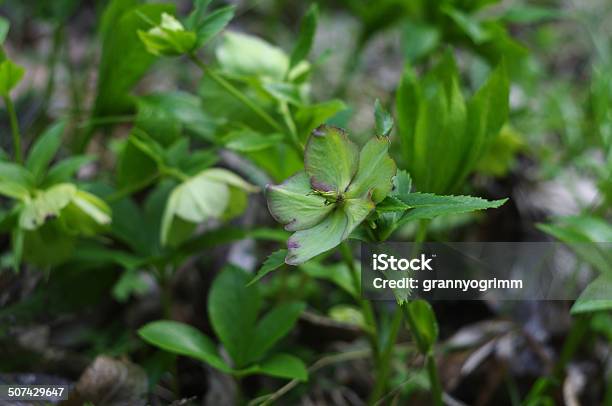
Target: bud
(169, 38)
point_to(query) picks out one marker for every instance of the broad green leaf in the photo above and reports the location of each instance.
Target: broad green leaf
(85, 215)
(64, 170)
(309, 117)
(338, 273)
(408, 104)
(284, 366)
(197, 14)
(582, 234)
(595, 297)
(272, 327)
(134, 166)
(130, 283)
(384, 121)
(470, 26)
(16, 173)
(233, 308)
(47, 245)
(4, 28)
(124, 59)
(294, 205)
(273, 262)
(308, 29)
(213, 24)
(44, 149)
(47, 204)
(487, 113)
(402, 184)
(164, 115)
(306, 244)
(423, 325)
(13, 190)
(419, 39)
(182, 339)
(10, 75)
(529, 14)
(330, 159)
(284, 92)
(169, 38)
(242, 55)
(250, 141)
(375, 172)
(428, 206)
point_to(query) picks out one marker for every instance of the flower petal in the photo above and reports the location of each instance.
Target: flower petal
(292, 203)
(356, 211)
(330, 159)
(306, 244)
(375, 173)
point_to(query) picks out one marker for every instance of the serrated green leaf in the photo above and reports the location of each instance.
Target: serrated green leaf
(330, 159)
(391, 204)
(44, 149)
(183, 339)
(304, 42)
(272, 263)
(384, 121)
(428, 206)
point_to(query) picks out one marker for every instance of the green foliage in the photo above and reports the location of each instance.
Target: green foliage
(124, 58)
(338, 189)
(10, 75)
(423, 325)
(234, 310)
(442, 136)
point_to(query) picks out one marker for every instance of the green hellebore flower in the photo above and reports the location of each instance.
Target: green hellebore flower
(337, 190)
(169, 38)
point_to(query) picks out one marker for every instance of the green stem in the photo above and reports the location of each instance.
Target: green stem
(384, 368)
(366, 307)
(236, 93)
(10, 109)
(434, 379)
(295, 139)
(430, 362)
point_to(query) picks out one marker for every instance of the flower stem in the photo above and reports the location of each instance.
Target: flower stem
(10, 109)
(235, 92)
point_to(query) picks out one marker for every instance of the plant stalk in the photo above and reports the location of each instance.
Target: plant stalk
(10, 109)
(235, 92)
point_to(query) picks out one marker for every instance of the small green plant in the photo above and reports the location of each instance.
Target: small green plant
(248, 337)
